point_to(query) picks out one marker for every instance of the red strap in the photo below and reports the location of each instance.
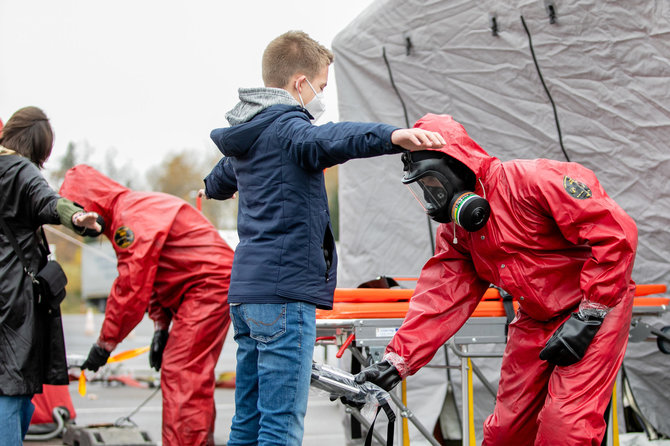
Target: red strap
(346, 344)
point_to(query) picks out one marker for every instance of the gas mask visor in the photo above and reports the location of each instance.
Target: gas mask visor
(430, 192)
(428, 181)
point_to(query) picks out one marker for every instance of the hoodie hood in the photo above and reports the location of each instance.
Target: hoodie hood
(91, 189)
(251, 117)
(255, 100)
(459, 145)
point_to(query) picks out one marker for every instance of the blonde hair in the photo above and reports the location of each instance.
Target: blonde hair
(293, 52)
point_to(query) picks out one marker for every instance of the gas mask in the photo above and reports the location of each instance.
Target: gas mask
(443, 186)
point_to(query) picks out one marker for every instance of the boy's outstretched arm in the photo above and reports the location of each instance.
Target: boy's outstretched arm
(318, 147)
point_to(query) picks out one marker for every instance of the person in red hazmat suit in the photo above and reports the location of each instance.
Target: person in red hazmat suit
(173, 263)
(547, 233)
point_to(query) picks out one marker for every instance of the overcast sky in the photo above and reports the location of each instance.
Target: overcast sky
(147, 77)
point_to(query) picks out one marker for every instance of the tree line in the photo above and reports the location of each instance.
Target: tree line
(178, 173)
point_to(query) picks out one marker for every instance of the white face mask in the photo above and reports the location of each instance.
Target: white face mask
(316, 107)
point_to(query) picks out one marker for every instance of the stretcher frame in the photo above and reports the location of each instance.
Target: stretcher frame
(486, 326)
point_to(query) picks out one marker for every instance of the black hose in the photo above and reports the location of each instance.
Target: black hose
(395, 88)
(404, 111)
(50, 430)
(553, 106)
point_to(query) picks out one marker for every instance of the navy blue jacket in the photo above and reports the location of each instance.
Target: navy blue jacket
(276, 160)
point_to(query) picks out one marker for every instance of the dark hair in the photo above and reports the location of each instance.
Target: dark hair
(29, 134)
(293, 52)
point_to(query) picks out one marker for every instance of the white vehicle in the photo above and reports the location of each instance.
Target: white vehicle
(98, 271)
(98, 268)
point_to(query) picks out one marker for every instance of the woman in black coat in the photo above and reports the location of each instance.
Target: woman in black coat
(32, 349)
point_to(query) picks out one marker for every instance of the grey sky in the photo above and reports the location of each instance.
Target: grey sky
(146, 77)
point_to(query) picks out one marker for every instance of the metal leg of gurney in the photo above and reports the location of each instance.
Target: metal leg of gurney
(405, 412)
(483, 379)
(467, 367)
(466, 388)
(613, 422)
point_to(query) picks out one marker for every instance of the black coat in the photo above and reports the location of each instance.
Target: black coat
(32, 348)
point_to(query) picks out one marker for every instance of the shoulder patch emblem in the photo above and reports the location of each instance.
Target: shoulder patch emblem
(124, 237)
(576, 189)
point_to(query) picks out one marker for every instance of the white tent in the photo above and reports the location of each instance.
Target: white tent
(606, 67)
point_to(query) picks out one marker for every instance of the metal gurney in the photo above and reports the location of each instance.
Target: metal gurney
(364, 320)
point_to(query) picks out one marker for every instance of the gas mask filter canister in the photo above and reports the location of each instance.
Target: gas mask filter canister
(470, 211)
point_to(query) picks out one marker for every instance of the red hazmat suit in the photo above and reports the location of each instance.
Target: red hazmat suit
(554, 239)
(172, 262)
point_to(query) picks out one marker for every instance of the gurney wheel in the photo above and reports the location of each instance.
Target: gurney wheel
(664, 345)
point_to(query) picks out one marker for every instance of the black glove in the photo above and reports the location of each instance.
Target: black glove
(346, 401)
(569, 343)
(92, 232)
(383, 373)
(97, 357)
(157, 346)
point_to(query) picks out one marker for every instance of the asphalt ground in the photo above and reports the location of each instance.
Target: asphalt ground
(106, 402)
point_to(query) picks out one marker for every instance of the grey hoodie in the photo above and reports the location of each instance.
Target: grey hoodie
(255, 100)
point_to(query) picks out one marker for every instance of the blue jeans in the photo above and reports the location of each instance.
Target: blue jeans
(15, 415)
(275, 345)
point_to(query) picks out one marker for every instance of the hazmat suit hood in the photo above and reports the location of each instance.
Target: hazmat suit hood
(459, 144)
(453, 189)
(93, 190)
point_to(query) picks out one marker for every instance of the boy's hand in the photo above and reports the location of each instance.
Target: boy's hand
(203, 194)
(417, 139)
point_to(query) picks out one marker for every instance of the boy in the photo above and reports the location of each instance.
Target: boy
(285, 264)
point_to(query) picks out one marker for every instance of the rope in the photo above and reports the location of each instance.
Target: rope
(80, 243)
(121, 421)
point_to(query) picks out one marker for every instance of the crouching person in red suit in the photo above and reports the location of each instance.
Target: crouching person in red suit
(547, 233)
(173, 263)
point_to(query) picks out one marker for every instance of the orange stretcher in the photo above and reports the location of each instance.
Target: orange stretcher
(383, 303)
(365, 319)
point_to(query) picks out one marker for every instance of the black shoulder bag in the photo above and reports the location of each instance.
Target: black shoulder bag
(50, 281)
